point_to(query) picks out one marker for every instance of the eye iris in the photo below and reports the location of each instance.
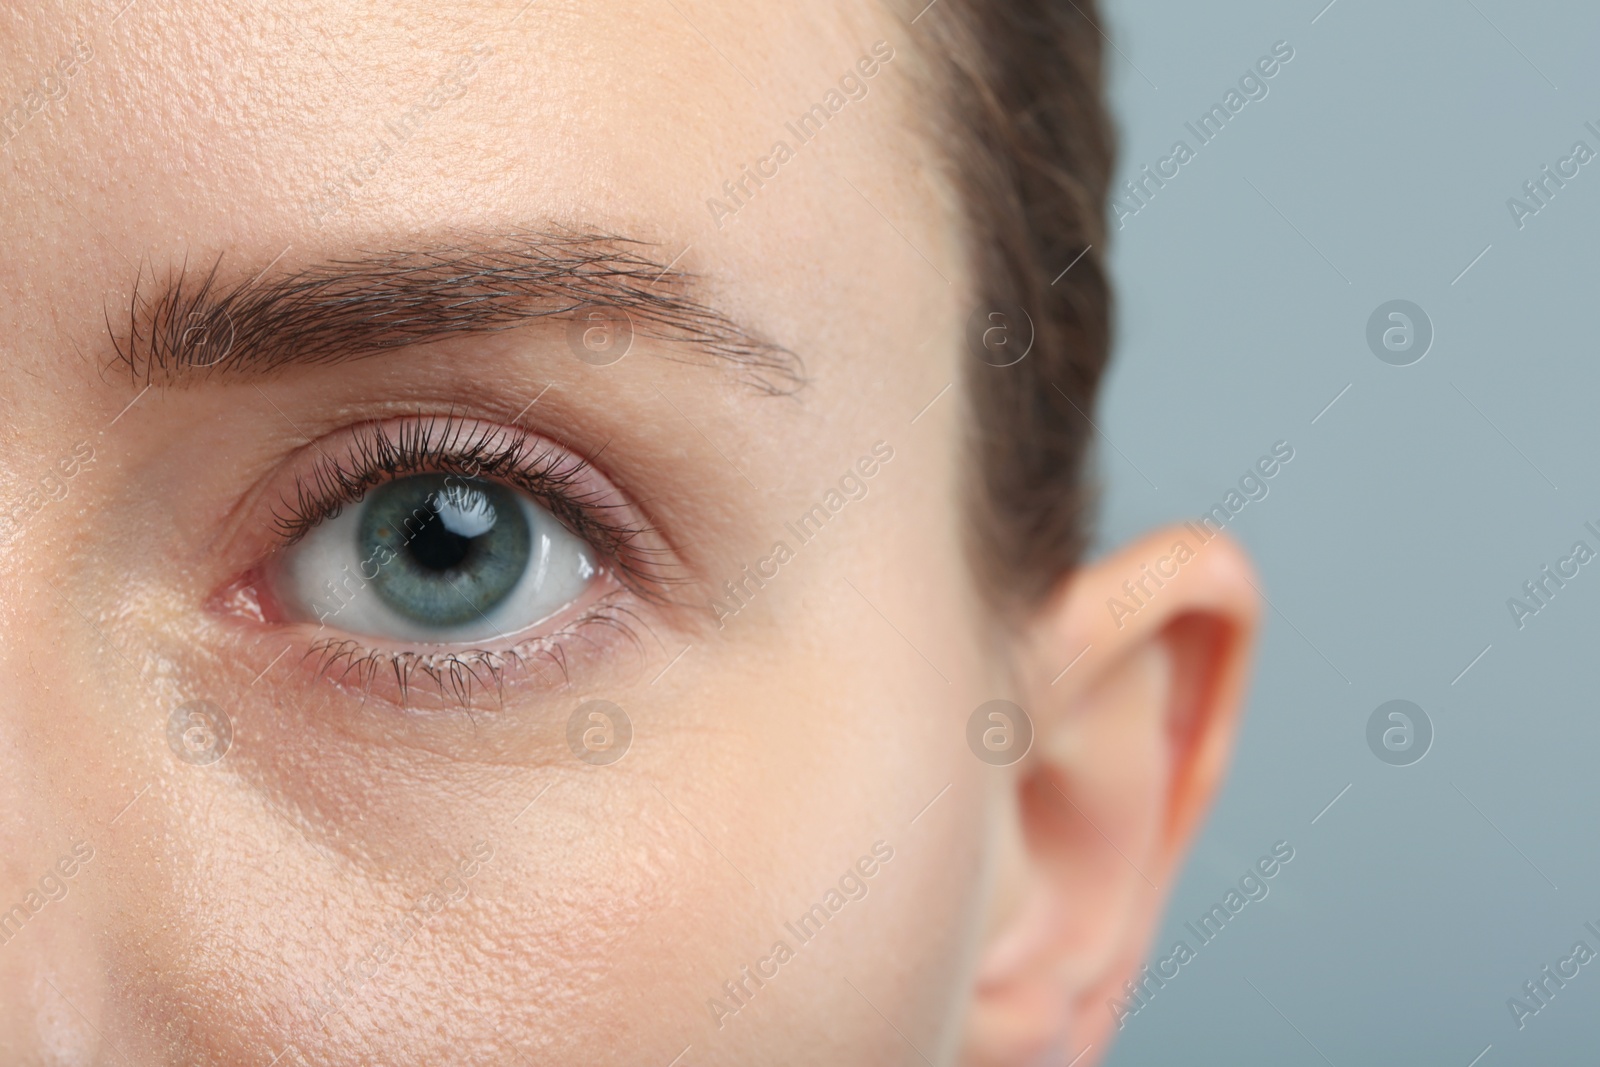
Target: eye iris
(447, 549)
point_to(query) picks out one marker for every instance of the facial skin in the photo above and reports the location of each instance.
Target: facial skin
(377, 875)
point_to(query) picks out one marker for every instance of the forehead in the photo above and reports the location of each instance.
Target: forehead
(215, 75)
(186, 130)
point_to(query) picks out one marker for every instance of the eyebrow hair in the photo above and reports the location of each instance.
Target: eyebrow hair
(370, 302)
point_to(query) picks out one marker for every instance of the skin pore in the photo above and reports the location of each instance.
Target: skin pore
(424, 871)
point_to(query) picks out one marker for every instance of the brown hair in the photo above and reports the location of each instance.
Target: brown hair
(1033, 151)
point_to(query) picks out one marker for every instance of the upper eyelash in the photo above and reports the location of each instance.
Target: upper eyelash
(447, 445)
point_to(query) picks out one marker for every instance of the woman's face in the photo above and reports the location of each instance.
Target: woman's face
(400, 673)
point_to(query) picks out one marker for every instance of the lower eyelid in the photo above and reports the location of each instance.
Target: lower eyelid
(436, 679)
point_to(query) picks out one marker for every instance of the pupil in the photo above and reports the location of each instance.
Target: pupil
(442, 550)
(436, 547)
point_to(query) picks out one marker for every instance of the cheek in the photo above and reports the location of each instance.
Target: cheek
(618, 904)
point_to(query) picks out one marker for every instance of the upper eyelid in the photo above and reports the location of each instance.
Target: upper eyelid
(381, 457)
(559, 480)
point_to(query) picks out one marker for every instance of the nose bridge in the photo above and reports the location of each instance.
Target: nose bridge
(52, 976)
(53, 834)
(52, 989)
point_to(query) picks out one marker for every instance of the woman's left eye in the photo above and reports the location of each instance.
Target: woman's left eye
(438, 559)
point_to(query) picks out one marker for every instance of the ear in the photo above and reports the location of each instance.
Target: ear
(1130, 743)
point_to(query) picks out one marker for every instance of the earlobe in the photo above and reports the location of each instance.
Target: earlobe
(1131, 743)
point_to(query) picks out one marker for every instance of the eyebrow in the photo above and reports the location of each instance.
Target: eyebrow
(197, 326)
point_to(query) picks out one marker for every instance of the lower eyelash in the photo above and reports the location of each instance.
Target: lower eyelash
(461, 675)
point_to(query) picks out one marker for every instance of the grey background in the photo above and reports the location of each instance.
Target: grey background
(1381, 162)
